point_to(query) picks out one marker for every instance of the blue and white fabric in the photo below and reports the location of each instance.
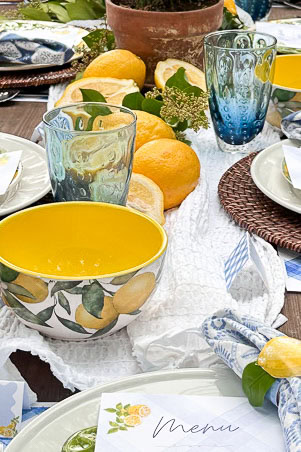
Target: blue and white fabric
(18, 49)
(237, 339)
(236, 261)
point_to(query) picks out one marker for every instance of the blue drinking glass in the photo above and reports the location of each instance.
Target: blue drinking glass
(258, 9)
(239, 74)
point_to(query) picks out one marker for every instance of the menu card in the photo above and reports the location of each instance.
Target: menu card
(13, 397)
(292, 156)
(9, 162)
(130, 422)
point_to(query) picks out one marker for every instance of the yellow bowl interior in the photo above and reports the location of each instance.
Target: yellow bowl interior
(288, 72)
(79, 240)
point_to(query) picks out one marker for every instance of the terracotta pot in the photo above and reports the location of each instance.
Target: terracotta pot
(155, 36)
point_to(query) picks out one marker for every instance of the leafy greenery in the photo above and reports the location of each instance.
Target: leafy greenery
(255, 383)
(180, 104)
(231, 21)
(58, 10)
(98, 41)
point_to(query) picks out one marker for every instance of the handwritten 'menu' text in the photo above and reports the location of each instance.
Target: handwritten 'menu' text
(170, 425)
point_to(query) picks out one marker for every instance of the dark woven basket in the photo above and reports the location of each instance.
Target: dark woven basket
(254, 211)
(37, 77)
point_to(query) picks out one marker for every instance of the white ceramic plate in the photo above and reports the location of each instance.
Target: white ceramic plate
(281, 46)
(35, 179)
(63, 33)
(52, 428)
(266, 172)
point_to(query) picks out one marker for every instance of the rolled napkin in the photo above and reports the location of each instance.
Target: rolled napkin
(238, 339)
(18, 49)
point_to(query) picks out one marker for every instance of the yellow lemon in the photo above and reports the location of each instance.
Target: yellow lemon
(140, 410)
(118, 63)
(172, 165)
(150, 127)
(281, 357)
(36, 286)
(132, 295)
(165, 69)
(132, 420)
(113, 90)
(85, 319)
(144, 195)
(230, 5)
(113, 121)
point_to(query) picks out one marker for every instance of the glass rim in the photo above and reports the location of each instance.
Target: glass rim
(92, 132)
(223, 32)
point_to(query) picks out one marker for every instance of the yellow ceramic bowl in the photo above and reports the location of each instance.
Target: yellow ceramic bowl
(79, 270)
(286, 91)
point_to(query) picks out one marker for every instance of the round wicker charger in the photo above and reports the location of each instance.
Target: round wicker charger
(254, 211)
(46, 76)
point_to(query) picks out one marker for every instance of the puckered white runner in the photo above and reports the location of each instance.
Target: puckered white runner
(167, 333)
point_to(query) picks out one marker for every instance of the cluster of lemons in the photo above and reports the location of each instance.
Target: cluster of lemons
(165, 170)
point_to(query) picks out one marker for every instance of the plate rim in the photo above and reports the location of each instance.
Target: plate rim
(60, 408)
(37, 197)
(260, 186)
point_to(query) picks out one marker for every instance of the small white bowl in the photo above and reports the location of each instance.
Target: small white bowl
(13, 186)
(285, 174)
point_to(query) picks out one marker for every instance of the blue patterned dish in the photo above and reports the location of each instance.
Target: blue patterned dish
(258, 9)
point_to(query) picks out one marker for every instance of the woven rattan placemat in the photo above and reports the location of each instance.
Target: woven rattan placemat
(47, 76)
(254, 211)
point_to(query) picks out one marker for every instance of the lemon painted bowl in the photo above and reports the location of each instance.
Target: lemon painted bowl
(79, 270)
(286, 91)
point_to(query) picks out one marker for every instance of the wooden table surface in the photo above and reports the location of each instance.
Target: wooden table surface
(20, 118)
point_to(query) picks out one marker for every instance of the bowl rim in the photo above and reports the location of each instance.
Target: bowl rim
(286, 88)
(25, 271)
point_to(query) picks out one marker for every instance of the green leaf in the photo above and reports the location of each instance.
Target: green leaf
(64, 302)
(113, 424)
(7, 274)
(46, 313)
(119, 406)
(72, 325)
(113, 430)
(63, 285)
(230, 21)
(91, 95)
(34, 13)
(136, 312)
(255, 383)
(133, 101)
(22, 311)
(93, 299)
(178, 80)
(104, 330)
(93, 37)
(59, 11)
(75, 290)
(195, 90)
(118, 280)
(181, 126)
(123, 428)
(152, 106)
(120, 421)
(283, 95)
(127, 406)
(80, 10)
(110, 410)
(19, 290)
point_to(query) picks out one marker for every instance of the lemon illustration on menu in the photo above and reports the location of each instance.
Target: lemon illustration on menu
(127, 416)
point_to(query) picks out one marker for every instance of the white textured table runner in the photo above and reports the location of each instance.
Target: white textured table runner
(166, 334)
